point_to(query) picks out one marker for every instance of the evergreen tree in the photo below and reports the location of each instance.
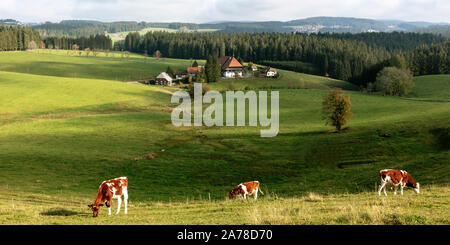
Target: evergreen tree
(169, 71)
(212, 69)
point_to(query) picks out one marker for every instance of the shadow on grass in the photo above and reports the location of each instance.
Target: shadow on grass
(61, 212)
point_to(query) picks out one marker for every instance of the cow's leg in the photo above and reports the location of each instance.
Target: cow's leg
(383, 184)
(245, 196)
(395, 190)
(119, 202)
(109, 206)
(256, 194)
(401, 189)
(125, 199)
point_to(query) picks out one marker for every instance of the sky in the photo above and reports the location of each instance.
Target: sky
(202, 11)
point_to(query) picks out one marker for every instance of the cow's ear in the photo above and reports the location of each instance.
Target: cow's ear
(90, 205)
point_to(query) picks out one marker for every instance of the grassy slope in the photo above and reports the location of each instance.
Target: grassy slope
(58, 63)
(59, 143)
(433, 87)
(431, 207)
(287, 79)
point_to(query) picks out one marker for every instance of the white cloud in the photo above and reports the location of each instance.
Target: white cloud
(213, 10)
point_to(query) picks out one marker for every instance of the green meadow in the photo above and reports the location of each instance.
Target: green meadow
(63, 63)
(68, 122)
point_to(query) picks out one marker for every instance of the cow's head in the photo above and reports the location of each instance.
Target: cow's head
(95, 209)
(417, 188)
(234, 192)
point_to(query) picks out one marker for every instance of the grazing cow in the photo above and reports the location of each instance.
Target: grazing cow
(397, 178)
(247, 188)
(109, 189)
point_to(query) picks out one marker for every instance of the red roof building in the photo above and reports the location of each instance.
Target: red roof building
(194, 69)
(230, 66)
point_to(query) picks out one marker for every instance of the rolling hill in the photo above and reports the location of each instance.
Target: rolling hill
(307, 25)
(68, 124)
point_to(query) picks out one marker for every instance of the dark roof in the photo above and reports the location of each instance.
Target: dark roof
(268, 68)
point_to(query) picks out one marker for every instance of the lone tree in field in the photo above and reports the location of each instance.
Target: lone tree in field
(75, 47)
(127, 54)
(87, 50)
(32, 45)
(157, 54)
(336, 108)
(394, 81)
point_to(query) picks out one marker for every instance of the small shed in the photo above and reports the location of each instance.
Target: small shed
(269, 71)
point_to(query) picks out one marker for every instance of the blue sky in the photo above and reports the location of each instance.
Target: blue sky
(200, 11)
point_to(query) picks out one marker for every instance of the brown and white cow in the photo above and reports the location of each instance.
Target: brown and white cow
(247, 188)
(397, 178)
(109, 189)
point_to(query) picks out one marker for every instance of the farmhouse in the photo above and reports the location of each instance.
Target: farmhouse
(230, 67)
(163, 79)
(269, 71)
(192, 71)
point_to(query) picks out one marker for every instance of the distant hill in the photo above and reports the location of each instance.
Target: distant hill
(337, 24)
(324, 24)
(10, 22)
(308, 25)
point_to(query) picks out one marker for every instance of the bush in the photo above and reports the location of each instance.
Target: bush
(394, 81)
(205, 89)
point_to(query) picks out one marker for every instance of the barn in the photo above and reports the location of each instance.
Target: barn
(164, 79)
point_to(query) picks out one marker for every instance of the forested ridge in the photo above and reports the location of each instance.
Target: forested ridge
(349, 57)
(24, 37)
(101, 42)
(78, 28)
(85, 28)
(18, 38)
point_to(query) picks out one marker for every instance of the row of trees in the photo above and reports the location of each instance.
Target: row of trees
(18, 38)
(338, 56)
(101, 42)
(85, 28)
